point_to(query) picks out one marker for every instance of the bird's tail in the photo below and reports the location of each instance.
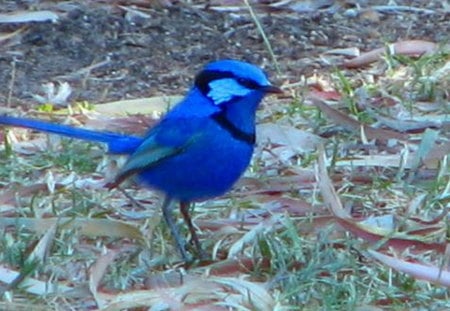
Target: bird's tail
(117, 143)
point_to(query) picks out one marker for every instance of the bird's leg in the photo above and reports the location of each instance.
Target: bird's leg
(168, 217)
(184, 209)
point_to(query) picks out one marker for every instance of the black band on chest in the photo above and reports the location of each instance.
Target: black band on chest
(221, 119)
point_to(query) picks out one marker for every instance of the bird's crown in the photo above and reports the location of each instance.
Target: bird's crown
(226, 80)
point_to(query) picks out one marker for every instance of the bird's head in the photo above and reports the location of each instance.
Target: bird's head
(229, 80)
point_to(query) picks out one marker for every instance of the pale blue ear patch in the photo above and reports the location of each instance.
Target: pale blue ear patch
(223, 90)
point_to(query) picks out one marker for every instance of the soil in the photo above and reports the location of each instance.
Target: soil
(134, 56)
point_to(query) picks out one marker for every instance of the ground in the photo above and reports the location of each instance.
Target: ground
(160, 54)
(301, 230)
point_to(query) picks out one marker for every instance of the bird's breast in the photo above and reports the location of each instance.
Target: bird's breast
(206, 168)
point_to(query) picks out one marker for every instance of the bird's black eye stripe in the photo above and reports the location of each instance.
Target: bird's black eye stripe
(248, 83)
(205, 77)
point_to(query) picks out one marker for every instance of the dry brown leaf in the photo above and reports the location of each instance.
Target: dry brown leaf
(158, 104)
(157, 299)
(410, 48)
(298, 140)
(87, 226)
(250, 294)
(355, 126)
(197, 293)
(303, 179)
(229, 267)
(435, 274)
(405, 125)
(398, 241)
(136, 125)
(97, 271)
(330, 197)
(436, 154)
(8, 197)
(31, 285)
(41, 250)
(377, 160)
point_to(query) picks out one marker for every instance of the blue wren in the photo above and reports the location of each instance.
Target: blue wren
(198, 150)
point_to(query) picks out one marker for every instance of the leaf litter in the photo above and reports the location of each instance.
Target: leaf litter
(376, 195)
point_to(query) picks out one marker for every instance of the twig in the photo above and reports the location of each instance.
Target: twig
(11, 83)
(263, 35)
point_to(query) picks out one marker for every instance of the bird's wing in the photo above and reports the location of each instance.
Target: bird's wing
(167, 139)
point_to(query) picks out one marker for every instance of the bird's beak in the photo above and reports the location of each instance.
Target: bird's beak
(272, 89)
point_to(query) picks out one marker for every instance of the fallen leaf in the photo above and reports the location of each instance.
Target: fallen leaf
(159, 104)
(31, 285)
(355, 126)
(86, 226)
(29, 16)
(409, 48)
(428, 273)
(97, 271)
(299, 140)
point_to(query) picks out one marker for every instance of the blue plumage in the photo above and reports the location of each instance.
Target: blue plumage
(199, 149)
(117, 143)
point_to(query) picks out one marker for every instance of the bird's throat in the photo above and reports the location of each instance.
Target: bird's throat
(226, 124)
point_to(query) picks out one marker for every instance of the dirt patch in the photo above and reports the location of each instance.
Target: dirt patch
(133, 56)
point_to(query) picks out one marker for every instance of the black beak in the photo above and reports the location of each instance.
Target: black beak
(272, 89)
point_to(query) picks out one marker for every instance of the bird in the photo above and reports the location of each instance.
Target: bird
(197, 150)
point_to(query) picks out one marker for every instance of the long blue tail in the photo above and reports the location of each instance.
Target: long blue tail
(117, 143)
